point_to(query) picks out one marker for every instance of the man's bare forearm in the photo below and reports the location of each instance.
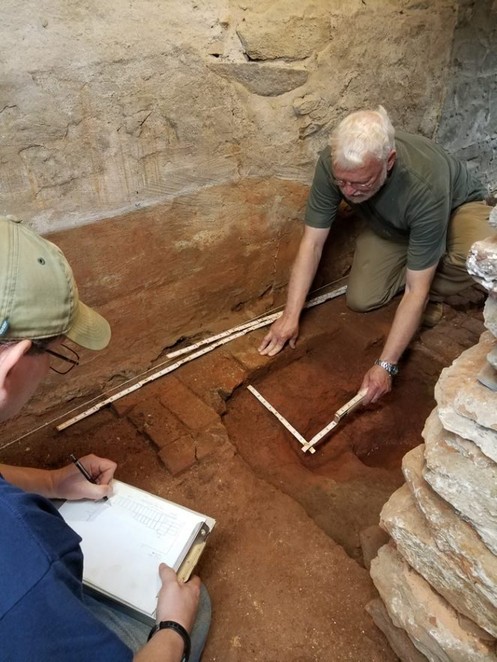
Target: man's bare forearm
(408, 314)
(286, 327)
(405, 324)
(303, 271)
(29, 479)
(377, 381)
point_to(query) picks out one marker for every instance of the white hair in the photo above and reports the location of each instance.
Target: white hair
(363, 134)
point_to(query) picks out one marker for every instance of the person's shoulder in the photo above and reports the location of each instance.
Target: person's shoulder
(325, 153)
(412, 139)
(324, 160)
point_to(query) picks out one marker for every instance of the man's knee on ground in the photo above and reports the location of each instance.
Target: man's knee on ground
(359, 303)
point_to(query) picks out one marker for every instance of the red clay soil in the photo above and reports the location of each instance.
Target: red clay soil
(284, 564)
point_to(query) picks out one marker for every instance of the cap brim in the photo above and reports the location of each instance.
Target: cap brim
(89, 329)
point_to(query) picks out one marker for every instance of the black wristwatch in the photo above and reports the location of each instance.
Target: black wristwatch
(172, 625)
(391, 368)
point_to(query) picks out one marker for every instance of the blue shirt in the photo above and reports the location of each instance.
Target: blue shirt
(42, 615)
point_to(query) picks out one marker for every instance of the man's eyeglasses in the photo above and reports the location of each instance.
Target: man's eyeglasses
(358, 186)
(63, 361)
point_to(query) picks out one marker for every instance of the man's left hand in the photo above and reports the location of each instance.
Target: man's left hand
(376, 383)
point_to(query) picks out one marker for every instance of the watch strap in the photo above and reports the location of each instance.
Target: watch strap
(172, 625)
(391, 368)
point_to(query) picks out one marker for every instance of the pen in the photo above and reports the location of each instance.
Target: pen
(85, 472)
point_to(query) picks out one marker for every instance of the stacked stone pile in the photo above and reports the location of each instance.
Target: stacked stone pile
(437, 576)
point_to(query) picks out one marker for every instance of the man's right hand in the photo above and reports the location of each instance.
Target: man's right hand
(282, 331)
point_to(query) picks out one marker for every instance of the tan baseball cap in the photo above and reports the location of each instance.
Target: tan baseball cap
(38, 293)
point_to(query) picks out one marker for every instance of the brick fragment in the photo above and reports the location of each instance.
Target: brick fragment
(179, 456)
(190, 409)
(157, 422)
(210, 440)
(213, 378)
(244, 350)
(124, 405)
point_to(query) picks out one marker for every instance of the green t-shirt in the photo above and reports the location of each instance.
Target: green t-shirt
(413, 207)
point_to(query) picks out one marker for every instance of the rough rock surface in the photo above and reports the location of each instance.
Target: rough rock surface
(416, 542)
(482, 263)
(458, 471)
(452, 535)
(458, 384)
(397, 637)
(438, 575)
(490, 314)
(437, 630)
(124, 107)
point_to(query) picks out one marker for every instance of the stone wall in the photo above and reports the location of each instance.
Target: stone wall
(437, 577)
(109, 105)
(468, 123)
(168, 146)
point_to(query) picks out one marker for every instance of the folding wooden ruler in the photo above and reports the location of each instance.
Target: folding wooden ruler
(309, 446)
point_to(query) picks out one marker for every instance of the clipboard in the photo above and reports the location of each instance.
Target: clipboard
(128, 537)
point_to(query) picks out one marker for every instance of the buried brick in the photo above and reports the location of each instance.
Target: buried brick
(190, 409)
(179, 456)
(157, 422)
(210, 440)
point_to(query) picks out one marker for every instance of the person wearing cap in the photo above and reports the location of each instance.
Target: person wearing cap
(45, 615)
(423, 210)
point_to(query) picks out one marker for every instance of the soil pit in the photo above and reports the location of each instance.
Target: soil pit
(281, 586)
(357, 466)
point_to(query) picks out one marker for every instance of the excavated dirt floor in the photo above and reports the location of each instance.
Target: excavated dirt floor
(284, 565)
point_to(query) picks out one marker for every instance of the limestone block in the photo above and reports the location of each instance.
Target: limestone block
(484, 438)
(455, 537)
(433, 626)
(488, 374)
(264, 79)
(416, 542)
(482, 263)
(293, 34)
(490, 313)
(493, 218)
(397, 638)
(462, 475)
(306, 104)
(492, 357)
(371, 539)
(459, 387)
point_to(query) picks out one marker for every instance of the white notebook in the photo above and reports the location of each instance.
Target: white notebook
(125, 538)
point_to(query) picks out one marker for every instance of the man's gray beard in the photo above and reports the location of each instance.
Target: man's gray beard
(356, 200)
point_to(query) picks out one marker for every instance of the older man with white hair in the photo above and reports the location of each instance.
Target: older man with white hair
(423, 210)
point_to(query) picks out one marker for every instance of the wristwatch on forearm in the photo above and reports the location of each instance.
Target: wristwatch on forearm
(391, 368)
(172, 625)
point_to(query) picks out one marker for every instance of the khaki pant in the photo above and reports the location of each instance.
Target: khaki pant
(379, 267)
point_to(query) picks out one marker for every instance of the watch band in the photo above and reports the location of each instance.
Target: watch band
(172, 625)
(391, 368)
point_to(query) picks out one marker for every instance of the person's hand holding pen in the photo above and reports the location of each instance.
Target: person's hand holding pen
(70, 482)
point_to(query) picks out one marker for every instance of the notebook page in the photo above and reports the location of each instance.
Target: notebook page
(125, 539)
